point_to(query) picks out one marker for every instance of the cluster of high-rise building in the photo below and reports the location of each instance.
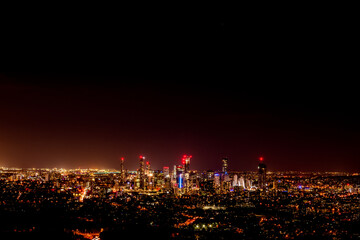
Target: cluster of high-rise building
(181, 179)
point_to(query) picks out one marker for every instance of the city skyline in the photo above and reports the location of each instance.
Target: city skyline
(180, 161)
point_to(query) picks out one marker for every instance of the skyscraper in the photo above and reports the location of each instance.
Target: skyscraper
(224, 165)
(186, 162)
(166, 172)
(225, 178)
(180, 176)
(235, 180)
(262, 173)
(217, 181)
(242, 182)
(142, 172)
(122, 173)
(167, 177)
(148, 168)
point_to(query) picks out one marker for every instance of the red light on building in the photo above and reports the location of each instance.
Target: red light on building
(141, 156)
(122, 159)
(261, 158)
(147, 163)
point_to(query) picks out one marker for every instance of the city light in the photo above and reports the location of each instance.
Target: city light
(330, 198)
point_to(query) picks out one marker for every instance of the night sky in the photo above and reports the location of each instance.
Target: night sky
(86, 90)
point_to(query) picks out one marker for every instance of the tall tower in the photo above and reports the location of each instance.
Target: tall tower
(186, 162)
(180, 175)
(142, 172)
(122, 173)
(148, 176)
(224, 165)
(147, 171)
(262, 173)
(167, 178)
(225, 179)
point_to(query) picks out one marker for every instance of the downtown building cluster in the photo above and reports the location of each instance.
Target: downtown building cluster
(180, 179)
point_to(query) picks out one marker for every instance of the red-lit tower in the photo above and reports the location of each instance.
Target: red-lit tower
(186, 162)
(147, 167)
(142, 172)
(262, 173)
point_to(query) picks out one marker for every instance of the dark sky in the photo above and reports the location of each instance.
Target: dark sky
(84, 90)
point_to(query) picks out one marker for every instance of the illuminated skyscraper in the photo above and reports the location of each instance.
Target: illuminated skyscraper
(167, 177)
(242, 182)
(217, 180)
(148, 176)
(225, 178)
(224, 165)
(174, 172)
(122, 173)
(262, 173)
(147, 171)
(180, 176)
(166, 172)
(186, 162)
(235, 180)
(142, 172)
